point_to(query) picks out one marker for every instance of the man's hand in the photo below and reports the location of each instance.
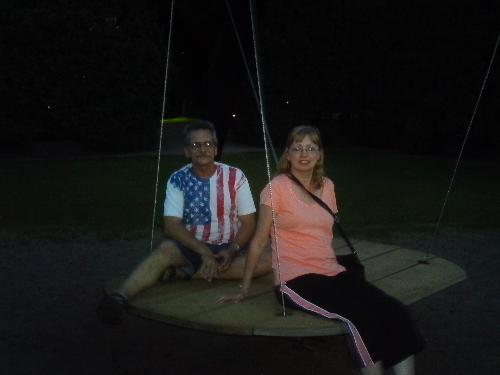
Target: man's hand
(209, 266)
(225, 258)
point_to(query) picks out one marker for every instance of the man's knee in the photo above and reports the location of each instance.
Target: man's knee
(167, 251)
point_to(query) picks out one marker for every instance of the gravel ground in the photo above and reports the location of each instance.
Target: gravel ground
(50, 288)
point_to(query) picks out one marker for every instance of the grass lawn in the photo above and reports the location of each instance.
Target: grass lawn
(378, 193)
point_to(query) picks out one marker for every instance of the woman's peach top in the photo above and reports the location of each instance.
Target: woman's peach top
(303, 240)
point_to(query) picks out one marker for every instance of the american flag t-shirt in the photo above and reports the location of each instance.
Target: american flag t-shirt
(209, 208)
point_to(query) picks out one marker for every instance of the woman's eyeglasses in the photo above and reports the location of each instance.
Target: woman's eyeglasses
(307, 149)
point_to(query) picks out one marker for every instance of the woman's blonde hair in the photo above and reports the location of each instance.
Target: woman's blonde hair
(297, 134)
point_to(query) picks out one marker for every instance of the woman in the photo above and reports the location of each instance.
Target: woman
(306, 272)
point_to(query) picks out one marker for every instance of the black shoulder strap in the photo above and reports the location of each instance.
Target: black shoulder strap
(335, 215)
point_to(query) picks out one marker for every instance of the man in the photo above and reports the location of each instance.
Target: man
(209, 216)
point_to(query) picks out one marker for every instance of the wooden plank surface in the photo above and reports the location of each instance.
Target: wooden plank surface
(192, 304)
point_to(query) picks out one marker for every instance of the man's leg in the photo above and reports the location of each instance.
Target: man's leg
(145, 275)
(149, 271)
(235, 271)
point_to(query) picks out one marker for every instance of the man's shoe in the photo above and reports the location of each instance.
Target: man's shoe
(110, 308)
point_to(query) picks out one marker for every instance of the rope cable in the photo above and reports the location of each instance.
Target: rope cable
(265, 135)
(460, 154)
(257, 98)
(163, 110)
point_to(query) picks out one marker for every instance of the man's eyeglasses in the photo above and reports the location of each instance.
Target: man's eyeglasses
(307, 149)
(199, 145)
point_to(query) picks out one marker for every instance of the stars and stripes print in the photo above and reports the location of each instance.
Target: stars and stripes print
(196, 205)
(210, 209)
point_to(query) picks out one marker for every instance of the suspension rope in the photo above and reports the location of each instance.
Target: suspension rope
(258, 99)
(459, 159)
(265, 136)
(163, 110)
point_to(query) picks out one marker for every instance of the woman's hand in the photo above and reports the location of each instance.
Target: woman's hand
(233, 297)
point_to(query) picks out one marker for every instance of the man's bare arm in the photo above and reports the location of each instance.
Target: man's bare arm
(175, 229)
(245, 233)
(246, 230)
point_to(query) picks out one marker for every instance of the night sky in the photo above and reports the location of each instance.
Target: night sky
(390, 74)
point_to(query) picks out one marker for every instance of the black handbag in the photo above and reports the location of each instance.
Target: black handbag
(350, 261)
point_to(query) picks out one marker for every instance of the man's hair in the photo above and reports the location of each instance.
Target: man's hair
(198, 125)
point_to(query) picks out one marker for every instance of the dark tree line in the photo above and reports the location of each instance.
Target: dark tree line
(379, 74)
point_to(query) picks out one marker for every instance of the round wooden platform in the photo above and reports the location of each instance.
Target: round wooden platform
(192, 304)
